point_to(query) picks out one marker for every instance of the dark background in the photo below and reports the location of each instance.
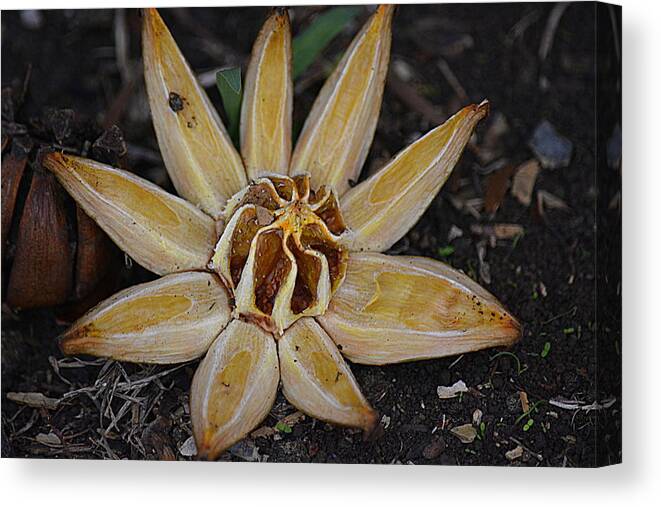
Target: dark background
(89, 61)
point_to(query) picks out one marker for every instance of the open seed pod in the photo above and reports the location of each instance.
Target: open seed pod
(283, 252)
(52, 253)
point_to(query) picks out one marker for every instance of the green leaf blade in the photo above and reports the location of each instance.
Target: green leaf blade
(312, 41)
(230, 87)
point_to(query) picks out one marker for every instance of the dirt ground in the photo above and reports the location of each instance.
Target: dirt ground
(552, 400)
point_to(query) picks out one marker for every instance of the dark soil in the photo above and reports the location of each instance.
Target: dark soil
(547, 277)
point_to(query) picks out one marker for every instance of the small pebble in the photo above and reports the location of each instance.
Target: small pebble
(552, 149)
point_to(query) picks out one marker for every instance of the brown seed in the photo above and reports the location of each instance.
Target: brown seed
(13, 167)
(43, 242)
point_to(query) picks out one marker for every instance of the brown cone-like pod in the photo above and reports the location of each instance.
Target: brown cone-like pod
(42, 272)
(94, 252)
(13, 168)
(53, 254)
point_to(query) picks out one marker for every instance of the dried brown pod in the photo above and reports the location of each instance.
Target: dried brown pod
(53, 254)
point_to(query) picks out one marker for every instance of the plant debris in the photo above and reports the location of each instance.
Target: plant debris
(49, 439)
(497, 185)
(568, 404)
(515, 453)
(524, 181)
(546, 200)
(34, 400)
(466, 433)
(497, 231)
(447, 392)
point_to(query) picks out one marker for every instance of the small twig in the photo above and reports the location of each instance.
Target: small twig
(526, 448)
(413, 100)
(572, 310)
(121, 34)
(580, 405)
(454, 363)
(549, 31)
(521, 26)
(452, 80)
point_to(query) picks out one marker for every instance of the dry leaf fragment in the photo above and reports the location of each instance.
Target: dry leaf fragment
(524, 181)
(548, 200)
(447, 392)
(434, 449)
(477, 417)
(466, 433)
(246, 450)
(497, 185)
(515, 453)
(50, 439)
(13, 166)
(34, 400)
(498, 231)
(293, 418)
(263, 432)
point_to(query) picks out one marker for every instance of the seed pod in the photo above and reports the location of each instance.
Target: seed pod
(281, 252)
(53, 254)
(42, 244)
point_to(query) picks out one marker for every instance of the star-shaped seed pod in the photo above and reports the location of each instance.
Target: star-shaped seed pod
(271, 262)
